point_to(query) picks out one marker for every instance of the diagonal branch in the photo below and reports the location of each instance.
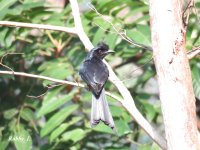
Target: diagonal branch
(78, 25)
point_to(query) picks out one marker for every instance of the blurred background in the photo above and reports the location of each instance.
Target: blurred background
(51, 116)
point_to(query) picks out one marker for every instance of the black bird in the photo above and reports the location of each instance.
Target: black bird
(95, 73)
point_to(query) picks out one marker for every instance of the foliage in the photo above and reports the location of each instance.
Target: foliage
(60, 118)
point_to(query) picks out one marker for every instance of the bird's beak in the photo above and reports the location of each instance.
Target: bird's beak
(109, 51)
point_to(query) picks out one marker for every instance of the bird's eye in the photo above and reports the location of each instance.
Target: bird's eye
(100, 51)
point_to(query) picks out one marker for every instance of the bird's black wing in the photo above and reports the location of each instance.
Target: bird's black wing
(95, 73)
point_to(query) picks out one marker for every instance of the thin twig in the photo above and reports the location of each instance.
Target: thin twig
(10, 54)
(187, 10)
(41, 77)
(62, 82)
(105, 30)
(194, 52)
(48, 87)
(38, 26)
(38, 96)
(1, 61)
(121, 32)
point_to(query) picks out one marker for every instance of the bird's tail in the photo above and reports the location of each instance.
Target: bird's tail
(100, 111)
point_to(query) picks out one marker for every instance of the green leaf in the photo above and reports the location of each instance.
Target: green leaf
(141, 35)
(150, 111)
(116, 111)
(58, 131)
(32, 4)
(127, 117)
(111, 39)
(21, 139)
(120, 8)
(62, 128)
(107, 6)
(55, 19)
(129, 52)
(9, 38)
(8, 76)
(144, 147)
(3, 144)
(86, 97)
(57, 119)
(6, 4)
(145, 30)
(59, 69)
(27, 114)
(10, 113)
(100, 33)
(122, 127)
(196, 81)
(54, 64)
(149, 146)
(3, 32)
(54, 103)
(101, 127)
(74, 135)
(51, 94)
(145, 76)
(137, 10)
(145, 18)
(12, 123)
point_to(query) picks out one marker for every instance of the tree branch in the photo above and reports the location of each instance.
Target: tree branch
(40, 77)
(78, 25)
(38, 26)
(53, 80)
(191, 54)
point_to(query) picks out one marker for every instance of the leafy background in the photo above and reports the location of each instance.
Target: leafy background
(60, 118)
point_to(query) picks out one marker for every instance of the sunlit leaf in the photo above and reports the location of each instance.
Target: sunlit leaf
(122, 127)
(51, 94)
(54, 103)
(10, 113)
(62, 128)
(21, 139)
(74, 135)
(101, 127)
(141, 35)
(57, 118)
(27, 114)
(6, 3)
(3, 144)
(116, 111)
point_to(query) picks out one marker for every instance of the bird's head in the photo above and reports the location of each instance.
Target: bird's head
(101, 50)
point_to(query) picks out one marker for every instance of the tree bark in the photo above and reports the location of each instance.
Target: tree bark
(174, 76)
